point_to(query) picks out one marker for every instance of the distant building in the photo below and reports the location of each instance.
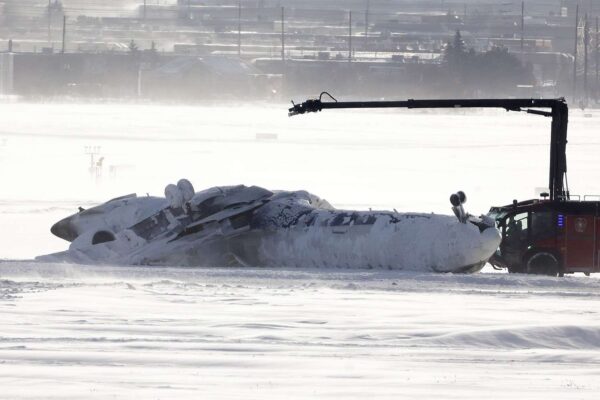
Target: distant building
(208, 77)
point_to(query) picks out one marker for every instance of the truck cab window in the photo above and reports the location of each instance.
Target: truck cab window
(516, 228)
(542, 225)
(518, 221)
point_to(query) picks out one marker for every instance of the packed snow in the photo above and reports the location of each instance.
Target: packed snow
(74, 331)
(99, 332)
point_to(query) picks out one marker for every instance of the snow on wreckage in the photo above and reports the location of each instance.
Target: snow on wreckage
(253, 226)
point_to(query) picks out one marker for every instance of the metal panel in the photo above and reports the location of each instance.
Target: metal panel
(580, 241)
(596, 244)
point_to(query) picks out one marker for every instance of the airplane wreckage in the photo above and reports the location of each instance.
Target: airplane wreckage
(252, 226)
(255, 227)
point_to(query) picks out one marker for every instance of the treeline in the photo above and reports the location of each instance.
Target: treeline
(495, 72)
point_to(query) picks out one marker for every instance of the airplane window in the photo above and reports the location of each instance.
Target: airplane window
(103, 237)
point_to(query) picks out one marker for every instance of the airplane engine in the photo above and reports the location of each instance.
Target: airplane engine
(457, 200)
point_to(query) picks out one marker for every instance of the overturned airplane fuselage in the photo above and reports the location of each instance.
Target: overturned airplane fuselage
(252, 226)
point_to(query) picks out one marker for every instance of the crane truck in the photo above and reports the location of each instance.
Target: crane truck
(554, 235)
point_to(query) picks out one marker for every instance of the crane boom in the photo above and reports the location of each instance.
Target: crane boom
(556, 108)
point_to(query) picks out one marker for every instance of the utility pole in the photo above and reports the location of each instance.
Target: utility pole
(240, 28)
(282, 35)
(522, 24)
(367, 24)
(144, 10)
(64, 33)
(597, 58)
(49, 22)
(349, 36)
(575, 53)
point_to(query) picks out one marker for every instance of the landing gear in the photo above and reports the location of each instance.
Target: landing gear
(178, 195)
(174, 196)
(543, 263)
(187, 189)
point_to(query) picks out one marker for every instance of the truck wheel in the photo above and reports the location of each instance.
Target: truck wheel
(543, 263)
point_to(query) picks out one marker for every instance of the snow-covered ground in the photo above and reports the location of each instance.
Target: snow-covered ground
(86, 332)
(69, 331)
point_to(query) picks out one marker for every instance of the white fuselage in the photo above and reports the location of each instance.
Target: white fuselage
(251, 226)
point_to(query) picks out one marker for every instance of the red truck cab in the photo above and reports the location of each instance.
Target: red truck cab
(548, 237)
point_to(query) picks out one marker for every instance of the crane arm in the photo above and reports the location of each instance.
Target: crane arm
(555, 108)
